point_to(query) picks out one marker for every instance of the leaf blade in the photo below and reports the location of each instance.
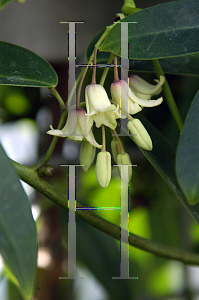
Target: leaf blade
(187, 161)
(174, 24)
(18, 245)
(162, 157)
(22, 67)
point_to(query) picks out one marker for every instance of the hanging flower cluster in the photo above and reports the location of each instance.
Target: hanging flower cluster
(127, 99)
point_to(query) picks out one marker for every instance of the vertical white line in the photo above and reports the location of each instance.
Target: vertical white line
(72, 225)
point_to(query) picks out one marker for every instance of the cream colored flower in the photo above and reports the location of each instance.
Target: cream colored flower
(79, 129)
(142, 88)
(128, 102)
(99, 106)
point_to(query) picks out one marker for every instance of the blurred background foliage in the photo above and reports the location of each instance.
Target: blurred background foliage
(154, 211)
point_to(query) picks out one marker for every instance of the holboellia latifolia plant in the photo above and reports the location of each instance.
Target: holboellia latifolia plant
(161, 39)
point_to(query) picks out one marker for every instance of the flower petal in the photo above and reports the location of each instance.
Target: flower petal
(83, 122)
(89, 107)
(91, 139)
(110, 119)
(96, 98)
(143, 87)
(120, 94)
(56, 132)
(145, 103)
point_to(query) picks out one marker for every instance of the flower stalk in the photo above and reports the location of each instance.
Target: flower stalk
(169, 96)
(102, 80)
(58, 97)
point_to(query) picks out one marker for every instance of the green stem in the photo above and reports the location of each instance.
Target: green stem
(168, 94)
(31, 177)
(94, 67)
(103, 78)
(81, 74)
(103, 138)
(58, 97)
(116, 78)
(120, 144)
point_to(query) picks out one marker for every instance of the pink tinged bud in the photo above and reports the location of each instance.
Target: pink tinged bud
(124, 167)
(103, 168)
(140, 135)
(87, 155)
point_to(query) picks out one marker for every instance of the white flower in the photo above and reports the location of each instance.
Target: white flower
(79, 129)
(99, 106)
(128, 102)
(142, 88)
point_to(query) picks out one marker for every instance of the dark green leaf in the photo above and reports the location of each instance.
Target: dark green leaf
(187, 162)
(3, 2)
(22, 67)
(162, 157)
(165, 30)
(186, 64)
(18, 245)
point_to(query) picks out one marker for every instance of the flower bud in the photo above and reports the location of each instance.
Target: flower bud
(140, 135)
(46, 171)
(115, 147)
(129, 7)
(87, 155)
(125, 170)
(103, 168)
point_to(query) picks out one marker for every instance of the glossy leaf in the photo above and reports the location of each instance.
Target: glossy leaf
(18, 245)
(165, 30)
(22, 67)
(162, 157)
(187, 163)
(186, 64)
